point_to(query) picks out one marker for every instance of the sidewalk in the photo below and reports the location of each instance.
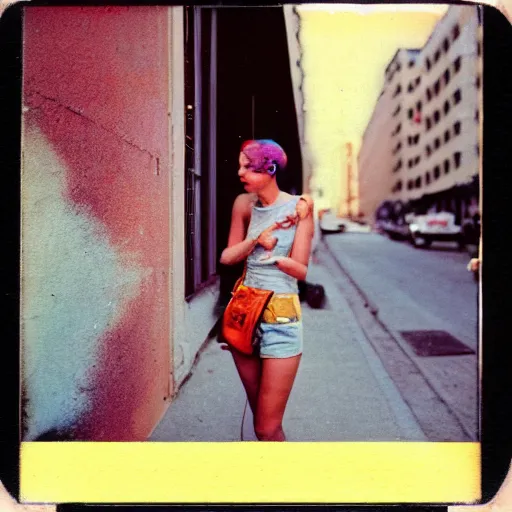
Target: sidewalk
(341, 392)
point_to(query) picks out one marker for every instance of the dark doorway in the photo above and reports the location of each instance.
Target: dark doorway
(254, 100)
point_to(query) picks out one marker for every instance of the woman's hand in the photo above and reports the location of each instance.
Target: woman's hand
(266, 240)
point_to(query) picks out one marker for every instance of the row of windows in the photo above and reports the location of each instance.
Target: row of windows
(444, 79)
(435, 174)
(436, 144)
(436, 116)
(444, 47)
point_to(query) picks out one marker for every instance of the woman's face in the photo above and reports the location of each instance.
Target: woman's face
(252, 181)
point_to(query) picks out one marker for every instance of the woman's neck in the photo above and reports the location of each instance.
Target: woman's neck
(269, 196)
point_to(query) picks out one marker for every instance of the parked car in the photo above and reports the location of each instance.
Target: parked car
(398, 230)
(435, 227)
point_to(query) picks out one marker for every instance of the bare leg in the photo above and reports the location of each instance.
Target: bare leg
(249, 369)
(277, 377)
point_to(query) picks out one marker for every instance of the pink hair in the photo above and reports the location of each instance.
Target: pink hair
(264, 154)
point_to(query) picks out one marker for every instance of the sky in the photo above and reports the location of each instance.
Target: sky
(346, 49)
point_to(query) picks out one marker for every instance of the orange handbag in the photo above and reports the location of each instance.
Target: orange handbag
(242, 316)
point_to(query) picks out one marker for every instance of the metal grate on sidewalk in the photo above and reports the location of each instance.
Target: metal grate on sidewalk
(435, 343)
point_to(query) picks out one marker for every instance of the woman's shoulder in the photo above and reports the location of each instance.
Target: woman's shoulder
(244, 203)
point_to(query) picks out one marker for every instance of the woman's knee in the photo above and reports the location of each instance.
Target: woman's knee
(268, 431)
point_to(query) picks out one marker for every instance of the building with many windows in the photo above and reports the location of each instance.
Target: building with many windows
(422, 144)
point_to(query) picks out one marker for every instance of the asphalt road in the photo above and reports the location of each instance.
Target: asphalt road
(413, 288)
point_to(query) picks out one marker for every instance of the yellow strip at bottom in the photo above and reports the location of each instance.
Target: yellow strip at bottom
(250, 472)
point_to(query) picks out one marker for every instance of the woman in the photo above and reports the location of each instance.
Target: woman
(273, 232)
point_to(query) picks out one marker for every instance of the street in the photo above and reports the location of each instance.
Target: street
(358, 379)
(413, 288)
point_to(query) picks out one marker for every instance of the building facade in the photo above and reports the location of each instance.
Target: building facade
(430, 112)
(124, 210)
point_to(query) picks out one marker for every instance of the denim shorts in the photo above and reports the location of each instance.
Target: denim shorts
(280, 340)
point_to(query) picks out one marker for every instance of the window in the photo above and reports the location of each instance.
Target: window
(429, 94)
(399, 165)
(437, 86)
(437, 142)
(456, 128)
(477, 115)
(446, 76)
(399, 185)
(437, 55)
(410, 185)
(411, 63)
(446, 44)
(418, 80)
(427, 177)
(456, 64)
(455, 32)
(410, 113)
(456, 158)
(410, 88)
(419, 106)
(479, 48)
(399, 127)
(446, 107)
(397, 110)
(398, 66)
(447, 135)
(418, 182)
(409, 163)
(437, 116)
(428, 64)
(446, 166)
(200, 176)
(437, 172)
(416, 138)
(429, 123)
(477, 83)
(428, 150)
(417, 160)
(398, 90)
(457, 96)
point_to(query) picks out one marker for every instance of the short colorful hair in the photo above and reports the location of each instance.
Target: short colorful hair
(265, 155)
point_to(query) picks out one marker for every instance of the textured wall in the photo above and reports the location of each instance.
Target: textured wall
(95, 192)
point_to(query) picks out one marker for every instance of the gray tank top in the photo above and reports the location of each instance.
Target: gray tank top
(265, 276)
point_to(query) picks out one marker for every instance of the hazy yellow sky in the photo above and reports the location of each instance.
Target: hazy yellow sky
(345, 54)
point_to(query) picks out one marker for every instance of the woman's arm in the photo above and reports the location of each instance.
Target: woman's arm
(296, 265)
(239, 247)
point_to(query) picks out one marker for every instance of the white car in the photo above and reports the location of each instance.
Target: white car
(434, 227)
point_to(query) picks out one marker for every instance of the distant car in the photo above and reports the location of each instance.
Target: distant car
(435, 227)
(329, 223)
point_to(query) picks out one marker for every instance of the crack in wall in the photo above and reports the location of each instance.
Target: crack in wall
(80, 112)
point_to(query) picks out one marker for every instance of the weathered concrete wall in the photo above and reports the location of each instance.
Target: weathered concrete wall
(95, 226)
